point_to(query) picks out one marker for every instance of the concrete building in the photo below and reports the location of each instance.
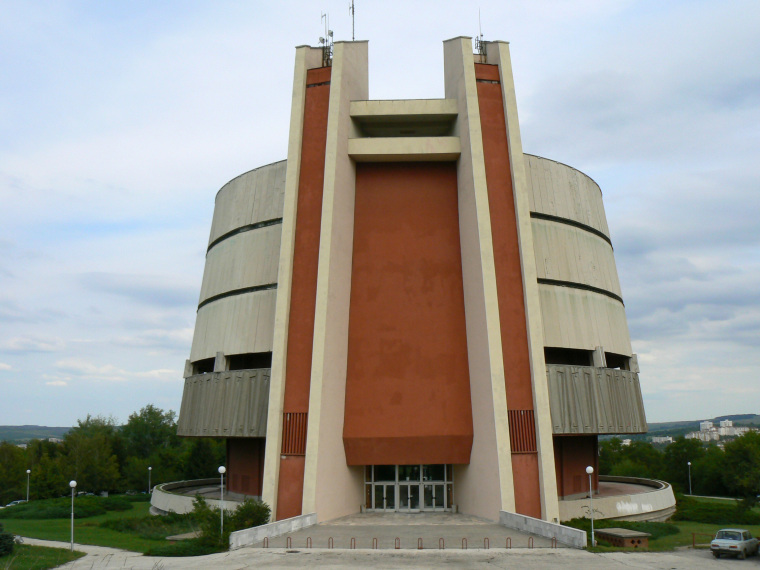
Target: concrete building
(409, 313)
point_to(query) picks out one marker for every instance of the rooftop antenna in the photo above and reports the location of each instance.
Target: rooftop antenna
(327, 41)
(352, 11)
(480, 45)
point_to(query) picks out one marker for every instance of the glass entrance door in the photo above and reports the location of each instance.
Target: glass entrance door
(408, 488)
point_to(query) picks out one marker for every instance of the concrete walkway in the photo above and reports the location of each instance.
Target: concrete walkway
(568, 559)
(410, 531)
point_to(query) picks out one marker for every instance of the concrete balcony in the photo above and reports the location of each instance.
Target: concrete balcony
(588, 400)
(225, 404)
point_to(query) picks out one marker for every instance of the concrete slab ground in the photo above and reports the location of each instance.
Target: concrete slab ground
(430, 530)
(567, 558)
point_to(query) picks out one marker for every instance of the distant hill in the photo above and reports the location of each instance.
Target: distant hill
(22, 434)
(682, 428)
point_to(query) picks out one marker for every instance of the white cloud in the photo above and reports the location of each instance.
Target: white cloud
(56, 383)
(4, 366)
(32, 344)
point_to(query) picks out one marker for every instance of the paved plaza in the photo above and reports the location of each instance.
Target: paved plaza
(566, 558)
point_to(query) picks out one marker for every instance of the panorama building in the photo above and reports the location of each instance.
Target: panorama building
(409, 313)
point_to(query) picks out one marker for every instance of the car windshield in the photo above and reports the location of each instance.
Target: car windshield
(729, 535)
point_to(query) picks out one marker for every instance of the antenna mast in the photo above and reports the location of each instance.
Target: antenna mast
(480, 45)
(352, 11)
(326, 41)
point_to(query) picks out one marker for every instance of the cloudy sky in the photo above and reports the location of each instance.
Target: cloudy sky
(119, 121)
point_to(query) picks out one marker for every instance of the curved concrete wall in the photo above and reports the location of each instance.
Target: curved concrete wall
(658, 504)
(248, 259)
(556, 189)
(168, 498)
(581, 300)
(237, 301)
(250, 198)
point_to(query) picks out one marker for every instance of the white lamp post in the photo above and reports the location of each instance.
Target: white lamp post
(28, 471)
(590, 471)
(149, 470)
(73, 485)
(222, 471)
(688, 464)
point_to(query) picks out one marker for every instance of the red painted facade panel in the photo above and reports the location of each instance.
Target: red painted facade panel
(407, 387)
(509, 285)
(572, 454)
(304, 279)
(245, 465)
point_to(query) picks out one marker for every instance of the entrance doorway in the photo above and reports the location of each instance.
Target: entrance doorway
(408, 488)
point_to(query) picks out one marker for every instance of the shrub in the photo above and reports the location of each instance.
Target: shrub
(84, 507)
(152, 527)
(249, 514)
(184, 548)
(6, 542)
(656, 529)
(688, 509)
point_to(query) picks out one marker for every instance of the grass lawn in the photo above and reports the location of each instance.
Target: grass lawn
(705, 533)
(28, 557)
(86, 531)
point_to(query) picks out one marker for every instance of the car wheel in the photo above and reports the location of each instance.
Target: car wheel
(716, 554)
(742, 555)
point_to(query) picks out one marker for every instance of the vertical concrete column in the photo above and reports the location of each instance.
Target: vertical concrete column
(599, 358)
(306, 58)
(220, 362)
(485, 486)
(498, 53)
(332, 488)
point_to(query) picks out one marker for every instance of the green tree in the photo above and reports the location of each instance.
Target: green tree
(742, 467)
(90, 461)
(202, 459)
(677, 456)
(707, 473)
(149, 430)
(12, 473)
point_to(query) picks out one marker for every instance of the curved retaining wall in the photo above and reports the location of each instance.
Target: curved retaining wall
(166, 499)
(656, 505)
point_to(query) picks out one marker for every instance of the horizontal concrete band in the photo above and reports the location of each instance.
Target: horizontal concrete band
(564, 534)
(225, 404)
(569, 222)
(251, 536)
(588, 400)
(246, 228)
(392, 149)
(409, 450)
(583, 286)
(235, 292)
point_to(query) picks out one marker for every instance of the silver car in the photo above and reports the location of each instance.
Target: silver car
(734, 542)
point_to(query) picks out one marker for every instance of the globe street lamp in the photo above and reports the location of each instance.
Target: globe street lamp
(688, 464)
(590, 471)
(28, 471)
(73, 485)
(149, 470)
(222, 470)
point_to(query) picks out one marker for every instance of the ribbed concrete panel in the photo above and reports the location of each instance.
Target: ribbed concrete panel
(235, 325)
(558, 190)
(250, 198)
(587, 400)
(225, 404)
(568, 253)
(246, 259)
(575, 318)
